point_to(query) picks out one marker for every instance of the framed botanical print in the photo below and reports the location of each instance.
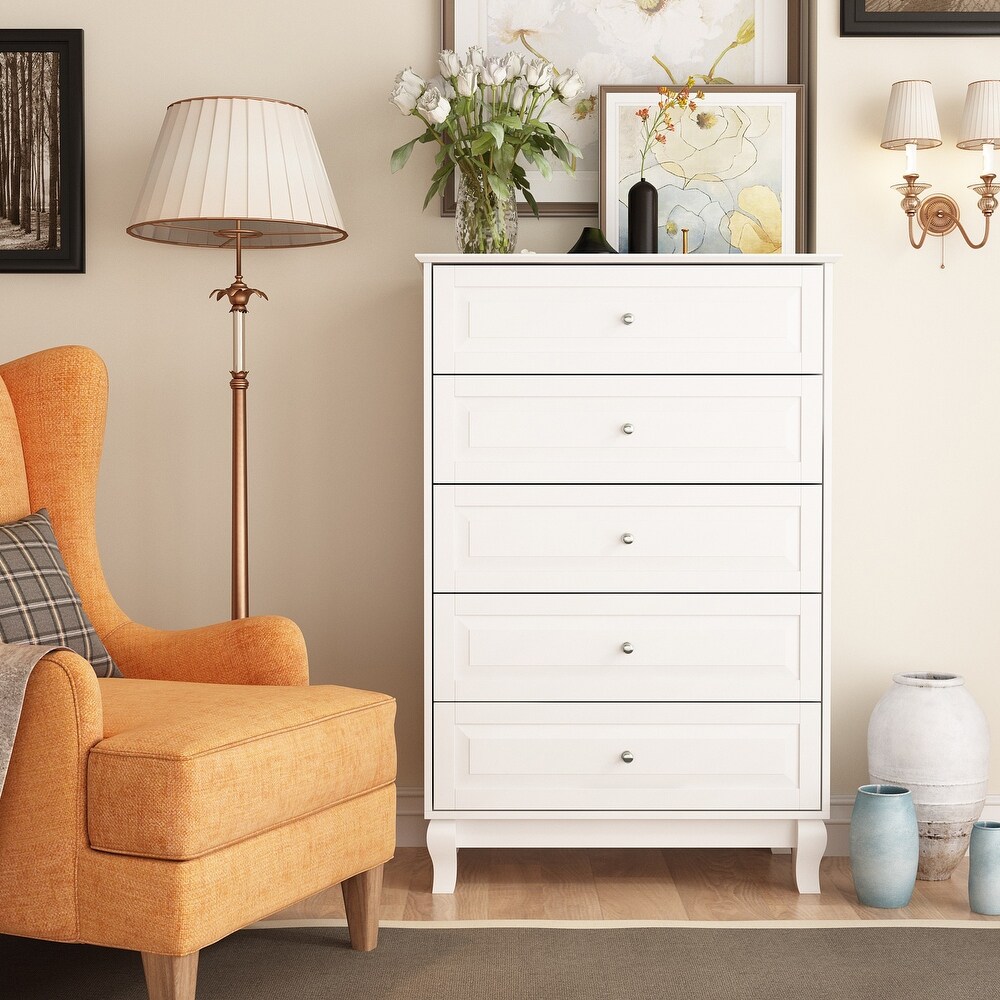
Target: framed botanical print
(41, 150)
(612, 42)
(729, 171)
(919, 17)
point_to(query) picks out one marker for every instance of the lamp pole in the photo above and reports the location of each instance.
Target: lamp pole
(239, 294)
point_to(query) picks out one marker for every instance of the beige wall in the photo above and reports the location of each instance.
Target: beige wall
(916, 535)
(335, 356)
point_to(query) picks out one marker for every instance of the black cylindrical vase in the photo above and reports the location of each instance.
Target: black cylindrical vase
(642, 212)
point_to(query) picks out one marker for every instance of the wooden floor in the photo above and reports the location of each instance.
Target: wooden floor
(528, 884)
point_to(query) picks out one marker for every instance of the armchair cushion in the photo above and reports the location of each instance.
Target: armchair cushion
(185, 769)
(38, 603)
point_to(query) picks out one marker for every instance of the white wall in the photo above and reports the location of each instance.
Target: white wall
(334, 357)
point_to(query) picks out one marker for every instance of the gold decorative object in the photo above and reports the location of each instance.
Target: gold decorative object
(237, 173)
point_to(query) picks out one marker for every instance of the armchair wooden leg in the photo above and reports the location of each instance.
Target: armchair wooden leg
(169, 977)
(362, 897)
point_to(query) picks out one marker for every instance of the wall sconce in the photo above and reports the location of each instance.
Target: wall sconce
(911, 123)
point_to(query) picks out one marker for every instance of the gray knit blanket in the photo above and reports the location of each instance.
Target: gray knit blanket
(16, 663)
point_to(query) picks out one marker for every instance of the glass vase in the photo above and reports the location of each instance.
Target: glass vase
(484, 222)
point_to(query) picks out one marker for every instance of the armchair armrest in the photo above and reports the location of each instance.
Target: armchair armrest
(262, 650)
(43, 807)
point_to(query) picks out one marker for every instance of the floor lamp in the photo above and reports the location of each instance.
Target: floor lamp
(237, 173)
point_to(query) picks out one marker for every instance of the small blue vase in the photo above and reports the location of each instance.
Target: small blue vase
(984, 868)
(885, 846)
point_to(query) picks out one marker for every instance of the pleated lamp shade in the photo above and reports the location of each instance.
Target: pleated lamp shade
(981, 118)
(911, 116)
(223, 161)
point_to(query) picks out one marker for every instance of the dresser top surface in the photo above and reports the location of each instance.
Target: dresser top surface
(623, 260)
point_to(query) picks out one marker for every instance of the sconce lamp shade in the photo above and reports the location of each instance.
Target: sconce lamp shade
(223, 162)
(911, 117)
(981, 118)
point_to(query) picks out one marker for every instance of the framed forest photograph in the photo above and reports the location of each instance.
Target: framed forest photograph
(41, 150)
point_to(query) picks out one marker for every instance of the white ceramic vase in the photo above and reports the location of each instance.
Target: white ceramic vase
(928, 734)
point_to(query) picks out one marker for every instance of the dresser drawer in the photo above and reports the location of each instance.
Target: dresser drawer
(628, 429)
(569, 757)
(572, 647)
(641, 319)
(566, 539)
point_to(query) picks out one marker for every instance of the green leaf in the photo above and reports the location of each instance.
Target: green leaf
(436, 187)
(530, 199)
(543, 165)
(399, 156)
(561, 150)
(495, 130)
(503, 160)
(717, 80)
(480, 145)
(443, 171)
(500, 189)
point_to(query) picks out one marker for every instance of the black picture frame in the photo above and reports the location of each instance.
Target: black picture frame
(69, 255)
(856, 20)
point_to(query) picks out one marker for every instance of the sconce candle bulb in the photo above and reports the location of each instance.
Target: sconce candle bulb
(988, 158)
(911, 158)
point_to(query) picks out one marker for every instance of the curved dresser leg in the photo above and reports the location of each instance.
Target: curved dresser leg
(443, 849)
(810, 842)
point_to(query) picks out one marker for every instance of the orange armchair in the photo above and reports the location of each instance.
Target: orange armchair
(209, 787)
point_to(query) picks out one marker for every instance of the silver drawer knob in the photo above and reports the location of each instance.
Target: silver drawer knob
(628, 319)
(628, 428)
(627, 647)
(627, 756)
(628, 538)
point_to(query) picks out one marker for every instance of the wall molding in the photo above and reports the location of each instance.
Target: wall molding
(411, 827)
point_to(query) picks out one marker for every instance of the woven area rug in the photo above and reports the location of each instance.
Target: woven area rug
(554, 963)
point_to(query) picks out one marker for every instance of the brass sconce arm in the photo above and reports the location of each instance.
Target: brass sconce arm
(938, 214)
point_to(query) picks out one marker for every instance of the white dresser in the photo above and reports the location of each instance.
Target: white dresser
(626, 563)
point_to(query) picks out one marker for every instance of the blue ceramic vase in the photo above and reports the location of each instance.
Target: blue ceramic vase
(984, 868)
(885, 846)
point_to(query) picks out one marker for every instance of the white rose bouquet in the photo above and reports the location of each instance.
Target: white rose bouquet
(486, 113)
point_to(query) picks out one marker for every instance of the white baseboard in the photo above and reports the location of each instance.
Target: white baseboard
(411, 827)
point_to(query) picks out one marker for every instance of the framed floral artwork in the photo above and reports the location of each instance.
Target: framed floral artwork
(612, 42)
(41, 150)
(729, 169)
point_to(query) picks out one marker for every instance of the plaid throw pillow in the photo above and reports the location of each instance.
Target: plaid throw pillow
(38, 603)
